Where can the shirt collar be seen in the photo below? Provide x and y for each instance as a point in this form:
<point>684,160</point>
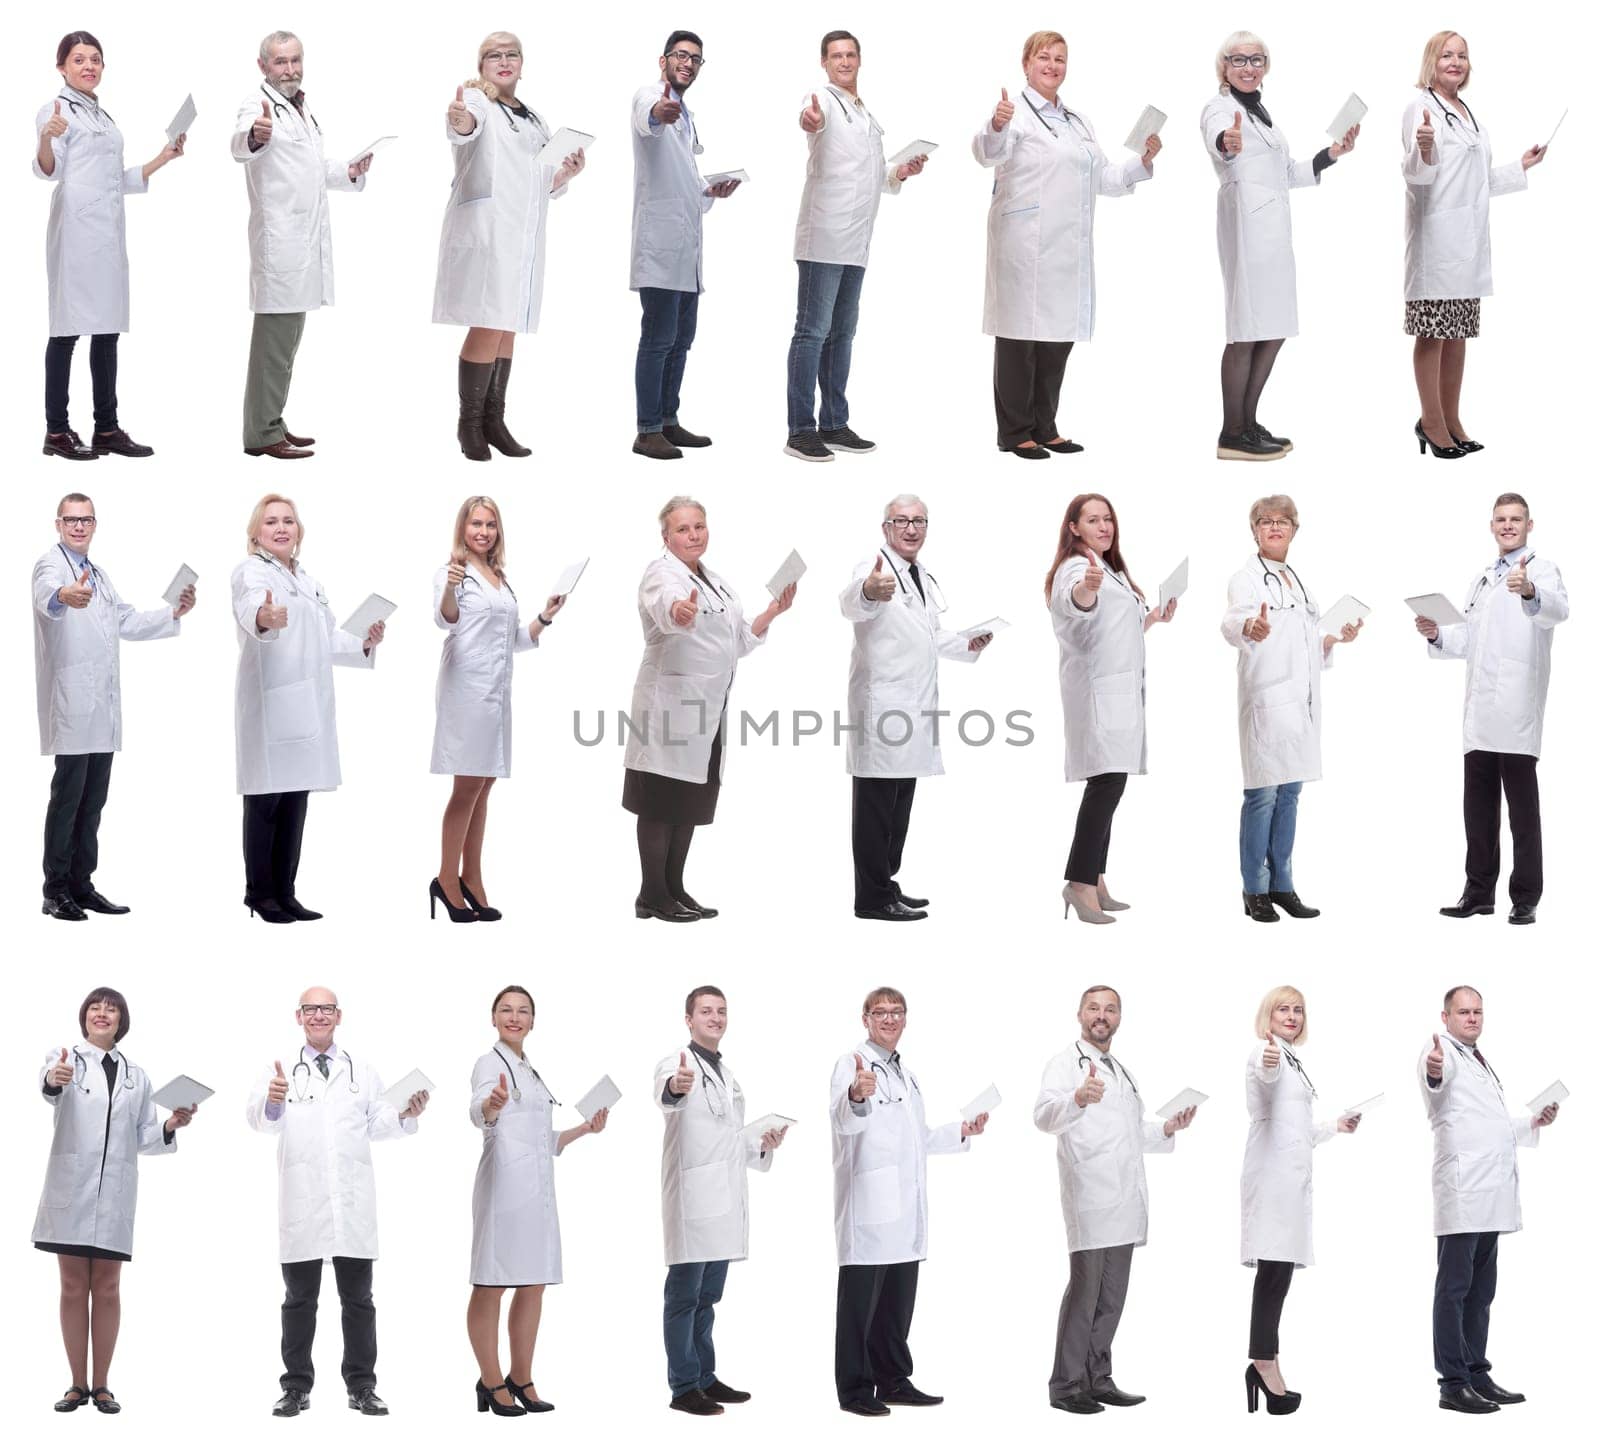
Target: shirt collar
<point>888,1057</point>
<point>72,552</point>
<point>714,1056</point>
<point>847,98</point>
<point>1056,107</point>
<point>309,1052</point>
<point>91,1051</point>
<point>1508,560</point>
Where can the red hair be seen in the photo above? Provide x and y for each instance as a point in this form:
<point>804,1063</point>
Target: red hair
<point>1070,543</point>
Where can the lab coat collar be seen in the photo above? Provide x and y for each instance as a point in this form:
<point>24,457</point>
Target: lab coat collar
<point>714,1056</point>
<point>335,1055</point>
<point>1091,1049</point>
<point>94,1053</point>
<point>80,559</point>
<point>81,98</point>
<point>846,97</point>
<point>1056,107</point>
<point>704,575</point>
<point>1509,559</point>
<point>888,1057</point>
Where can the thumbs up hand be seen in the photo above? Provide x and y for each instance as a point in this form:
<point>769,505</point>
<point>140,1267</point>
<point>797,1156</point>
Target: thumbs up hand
<point>459,118</point>
<point>1233,137</point>
<point>1425,137</point>
<point>1517,579</point>
<point>683,1081</point>
<point>1435,1061</point>
<point>456,570</point>
<point>1271,1055</point>
<point>1091,1091</point>
<point>1096,574</point>
<point>686,610</point>
<point>495,1101</point>
<point>278,1086</point>
<point>61,1071</point>
<point>56,125</point>
<point>261,129</point>
<point>865,1085</point>
<point>880,585</point>
<point>667,110</point>
<point>1258,628</point>
<point>811,117</point>
<point>270,615</point>
<point>77,595</point>
<point>1004,111</point>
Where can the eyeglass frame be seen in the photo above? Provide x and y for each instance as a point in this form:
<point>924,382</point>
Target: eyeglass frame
<point>901,525</point>
<point>1247,62</point>
<point>684,57</point>
<point>318,1009</point>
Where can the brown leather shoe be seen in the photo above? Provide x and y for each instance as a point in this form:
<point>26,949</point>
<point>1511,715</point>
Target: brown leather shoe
<point>68,445</point>
<point>285,451</point>
<point>294,441</point>
<point>655,444</point>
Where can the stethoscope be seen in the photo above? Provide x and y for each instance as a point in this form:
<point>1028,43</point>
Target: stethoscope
<point>1074,122</point>
<point>878,1067</point>
<point>76,102</point>
<point>533,115</point>
<point>1475,1056</point>
<point>516,1090</point>
<point>1110,1060</point>
<point>1450,114</point>
<point>283,107</point>
<point>94,572</point>
<point>505,584</point>
<point>1272,580</point>
<point>301,1087</point>
<point>711,599</point>
<point>849,119</point>
<point>930,583</point>
<point>695,148</point>
<point>1299,1069</point>
<point>80,1071</point>
<point>289,577</point>
<point>716,1092</point>
<point>1485,580</point>
<point>1261,122</point>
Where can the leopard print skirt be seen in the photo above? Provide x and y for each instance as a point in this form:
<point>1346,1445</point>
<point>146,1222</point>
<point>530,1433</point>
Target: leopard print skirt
<point>1443,320</point>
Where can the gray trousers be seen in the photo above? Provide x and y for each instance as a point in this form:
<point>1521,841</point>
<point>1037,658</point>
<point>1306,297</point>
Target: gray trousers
<point>273,342</point>
<point>1090,1310</point>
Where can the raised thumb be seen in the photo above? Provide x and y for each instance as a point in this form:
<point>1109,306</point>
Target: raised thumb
<point>1092,1071</point>
<point>859,1066</point>
<point>683,1059</point>
<point>877,564</point>
<point>58,107</point>
<point>814,105</point>
<point>1003,96</point>
<point>63,1055</point>
<point>694,595</point>
<point>266,110</point>
<point>1435,1042</point>
<point>1238,120</point>
<point>84,576</point>
<point>1263,612</point>
<point>461,94</point>
<point>666,90</point>
<point>502,1081</point>
<point>277,1067</point>
<point>269,597</point>
<point>1427,119</point>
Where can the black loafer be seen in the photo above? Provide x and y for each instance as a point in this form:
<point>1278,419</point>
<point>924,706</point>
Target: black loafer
<point>62,906</point>
<point>1028,454</point>
<point>909,900</point>
<point>1292,905</point>
<point>696,1404</point>
<point>1259,908</point>
<point>1111,1395</point>
<point>292,1404</point>
<point>673,913</point>
<point>703,910</point>
<point>867,1408</point>
<point>97,903</point>
<point>120,443</point>
<point>683,437</point>
<point>906,1395</point>
<point>1523,914</point>
<point>1083,1404</point>
<point>722,1392</point>
<point>1066,445</point>
<point>1465,908</point>
<point>366,1401</point>
<point>1491,1392</point>
<point>1464,1399</point>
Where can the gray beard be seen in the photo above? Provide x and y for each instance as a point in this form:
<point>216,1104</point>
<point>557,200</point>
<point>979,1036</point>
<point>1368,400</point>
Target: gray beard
<point>288,89</point>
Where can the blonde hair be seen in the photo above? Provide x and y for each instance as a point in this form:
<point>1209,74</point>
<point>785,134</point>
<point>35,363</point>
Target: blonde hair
<point>1430,58</point>
<point>259,513</point>
<point>1270,1002</point>
<point>488,43</point>
<point>1278,502</point>
<point>1231,45</point>
<point>1037,42</point>
<point>497,554</point>
<point>671,506</point>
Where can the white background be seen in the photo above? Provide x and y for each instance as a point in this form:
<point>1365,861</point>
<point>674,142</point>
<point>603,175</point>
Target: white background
<point>994,979</point>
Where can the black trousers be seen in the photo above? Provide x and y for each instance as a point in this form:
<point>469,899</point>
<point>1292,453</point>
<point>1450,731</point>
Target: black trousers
<point>1266,1307</point>
<point>1091,841</point>
<point>78,791</point>
<point>58,380</point>
<point>302,1282</point>
<point>1027,388</point>
<point>870,1352</point>
<point>273,827</point>
<point>1463,1292</point>
<point>1487,774</point>
<point>880,815</point>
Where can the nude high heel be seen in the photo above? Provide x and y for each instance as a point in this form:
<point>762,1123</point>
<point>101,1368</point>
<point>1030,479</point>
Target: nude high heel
<point>1088,916</point>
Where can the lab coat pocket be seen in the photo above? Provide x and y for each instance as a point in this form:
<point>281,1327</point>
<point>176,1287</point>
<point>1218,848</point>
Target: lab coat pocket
<point>1513,687</point>
<point>877,1196</point>
<point>73,692</point>
<point>1478,1171</point>
<point>1449,233</point>
<point>1021,210</point>
<point>1280,711</point>
<point>1115,702</point>
<point>292,714</point>
<point>1099,1182</point>
<point>705,1192</point>
<point>663,229</point>
<point>59,1179</point>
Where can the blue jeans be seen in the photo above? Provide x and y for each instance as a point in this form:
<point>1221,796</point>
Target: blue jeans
<point>824,329</point>
<point>666,332</point>
<point>692,1293</point>
<point>1266,838</point>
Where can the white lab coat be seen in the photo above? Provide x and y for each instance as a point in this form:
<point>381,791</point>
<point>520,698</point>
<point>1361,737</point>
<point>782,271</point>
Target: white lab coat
<point>1275,1186</point>
<point>846,176</point>
<point>1447,203</point>
<point>491,247</point>
<point>669,200</point>
<point>77,663</point>
<point>1475,1140</point>
<point>1507,650</point>
<point>1102,673</point>
<point>680,697</point>
<point>516,1236</point>
<point>472,701</point>
<point>327,1200</point>
<point>705,1196</point>
<point>894,673</point>
<point>85,240</point>
<point>1254,238</point>
<point>285,734</point>
<point>287,180</point>
<point>91,1185</point>
<point>1100,1150</point>
<point>1280,678</point>
<point>880,1163</point>
<point>1039,280</point>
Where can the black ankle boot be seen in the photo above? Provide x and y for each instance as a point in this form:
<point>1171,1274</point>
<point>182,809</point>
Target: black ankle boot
<point>472,382</point>
<point>494,412</point>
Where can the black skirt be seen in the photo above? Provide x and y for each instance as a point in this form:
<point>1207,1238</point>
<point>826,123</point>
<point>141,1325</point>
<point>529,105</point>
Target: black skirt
<point>675,801</point>
<point>93,1253</point>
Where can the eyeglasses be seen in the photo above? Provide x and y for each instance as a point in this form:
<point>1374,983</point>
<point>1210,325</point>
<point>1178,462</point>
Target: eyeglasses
<point>319,1009</point>
<point>502,55</point>
<point>901,525</point>
<point>886,1016</point>
<point>1279,523</point>
<point>684,57</point>
<point>1252,62</point>
<point>77,522</point>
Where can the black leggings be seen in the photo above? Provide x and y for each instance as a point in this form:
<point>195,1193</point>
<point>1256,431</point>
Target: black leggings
<point>1091,842</point>
<point>663,851</point>
<point>1266,1306</point>
<point>58,375</point>
<point>1245,369</point>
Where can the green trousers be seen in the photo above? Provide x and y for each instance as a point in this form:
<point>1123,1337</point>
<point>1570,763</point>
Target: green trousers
<point>273,344</point>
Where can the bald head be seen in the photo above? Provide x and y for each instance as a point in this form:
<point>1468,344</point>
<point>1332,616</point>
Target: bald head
<point>318,1014</point>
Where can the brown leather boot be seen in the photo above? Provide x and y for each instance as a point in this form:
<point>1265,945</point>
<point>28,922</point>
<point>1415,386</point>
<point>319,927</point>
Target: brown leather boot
<point>472,382</point>
<point>494,413</point>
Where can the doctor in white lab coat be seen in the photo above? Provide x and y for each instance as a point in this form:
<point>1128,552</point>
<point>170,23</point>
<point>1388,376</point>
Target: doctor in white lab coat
<point>1272,622</point>
<point>1450,177</point>
<point>1038,295</point>
<point>287,176</point>
<point>665,262</point>
<point>105,1119</point>
<point>1100,617</point>
<point>846,176</point>
<point>1512,610</point>
<point>1275,1185</point>
<point>516,1236</point>
<point>695,633</point>
<point>705,1197</point>
<point>1256,170</point>
<point>286,741</point>
<point>1090,1102</point>
<point>79,622</point>
<point>881,1145</point>
<point>1475,1142</point>
<point>897,608</point>
<point>85,244</point>
<point>474,604</point>
<point>325,1108</point>
<point>491,248</point>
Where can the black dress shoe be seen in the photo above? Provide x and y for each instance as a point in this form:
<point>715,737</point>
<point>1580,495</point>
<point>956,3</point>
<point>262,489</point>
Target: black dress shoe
<point>1034,453</point>
<point>70,446</point>
<point>1259,908</point>
<point>1464,1399</point>
<point>1292,905</point>
<point>366,1401</point>
<point>1490,1392</point>
<point>687,901</point>
<point>72,1399</point>
<point>1111,1395</point>
<point>292,906</point>
<point>910,901</point>
<point>485,912</point>
<point>906,1395</point>
<point>894,912</point>
<point>1081,1403</point>
<point>1465,908</point>
<point>696,1404</point>
<point>488,1402</point>
<point>672,912</point>
<point>104,1401</point>
<point>1523,914</point>
<point>683,437</point>
<point>1246,447</point>
<point>722,1392</point>
<point>1065,445</point>
<point>119,442</point>
<point>97,903</point>
<point>1256,430</point>
<point>868,1407</point>
<point>519,1392</point>
<point>61,906</point>
<point>292,1404</point>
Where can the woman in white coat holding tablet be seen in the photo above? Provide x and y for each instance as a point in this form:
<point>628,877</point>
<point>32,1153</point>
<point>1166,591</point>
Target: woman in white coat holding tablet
<point>473,602</point>
<point>1450,178</point>
<point>1100,618</point>
<point>516,1237</point>
<point>1256,170</point>
<point>86,250</point>
<point>1038,296</point>
<point>1275,1185</point>
<point>105,1119</point>
<point>491,249</point>
<point>1272,620</point>
<point>695,633</point>
<point>286,739</point>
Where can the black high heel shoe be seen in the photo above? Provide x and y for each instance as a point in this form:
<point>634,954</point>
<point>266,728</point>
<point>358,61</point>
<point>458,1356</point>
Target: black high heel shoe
<point>487,913</point>
<point>292,906</point>
<point>437,896</point>
<point>487,1402</point>
<point>1424,442</point>
<point>1466,444</point>
<point>674,913</point>
<point>1278,1405</point>
<point>529,1404</point>
<point>269,910</point>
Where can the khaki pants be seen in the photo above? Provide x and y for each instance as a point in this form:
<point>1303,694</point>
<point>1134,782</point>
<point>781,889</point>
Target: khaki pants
<point>273,344</point>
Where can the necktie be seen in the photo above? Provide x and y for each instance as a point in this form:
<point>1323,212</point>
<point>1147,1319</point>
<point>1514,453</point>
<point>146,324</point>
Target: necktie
<point>916,577</point>
<point>322,1065</point>
<point>1109,1064</point>
<point>1478,1056</point>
